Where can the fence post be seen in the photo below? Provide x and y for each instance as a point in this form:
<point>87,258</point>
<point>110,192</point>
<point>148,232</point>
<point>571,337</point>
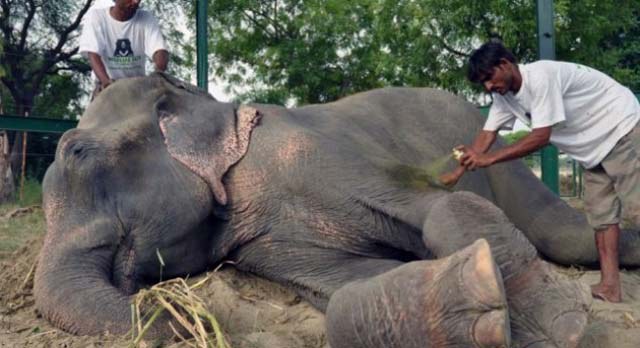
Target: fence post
<point>201,42</point>
<point>547,50</point>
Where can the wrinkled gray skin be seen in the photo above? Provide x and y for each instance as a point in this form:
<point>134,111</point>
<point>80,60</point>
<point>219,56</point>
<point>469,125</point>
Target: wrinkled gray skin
<point>329,200</point>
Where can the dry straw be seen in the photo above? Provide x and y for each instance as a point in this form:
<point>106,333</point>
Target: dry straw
<point>187,309</point>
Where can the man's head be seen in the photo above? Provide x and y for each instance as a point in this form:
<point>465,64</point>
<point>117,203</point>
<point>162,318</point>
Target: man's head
<point>127,7</point>
<point>495,67</point>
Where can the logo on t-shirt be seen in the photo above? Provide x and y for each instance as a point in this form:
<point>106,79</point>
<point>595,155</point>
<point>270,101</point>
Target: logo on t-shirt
<point>123,57</point>
<point>123,48</point>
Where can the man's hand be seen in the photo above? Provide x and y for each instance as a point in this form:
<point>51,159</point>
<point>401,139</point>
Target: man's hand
<point>104,84</point>
<point>101,87</point>
<point>471,159</point>
<point>160,60</point>
<point>451,178</point>
<point>477,157</point>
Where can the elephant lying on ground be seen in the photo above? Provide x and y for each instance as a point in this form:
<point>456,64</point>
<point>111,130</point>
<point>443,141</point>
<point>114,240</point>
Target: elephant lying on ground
<point>330,200</point>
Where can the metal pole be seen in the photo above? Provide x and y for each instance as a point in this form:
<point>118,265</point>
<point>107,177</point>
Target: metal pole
<point>580,193</point>
<point>201,43</point>
<point>547,50</point>
<point>574,178</point>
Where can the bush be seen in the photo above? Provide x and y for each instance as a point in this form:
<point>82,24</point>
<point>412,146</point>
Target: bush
<point>513,137</point>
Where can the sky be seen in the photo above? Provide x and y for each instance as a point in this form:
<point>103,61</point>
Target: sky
<point>215,87</point>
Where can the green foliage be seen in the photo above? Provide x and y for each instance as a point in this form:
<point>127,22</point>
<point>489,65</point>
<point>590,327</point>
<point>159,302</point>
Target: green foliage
<point>181,62</point>
<point>312,51</point>
<point>320,50</point>
<point>531,160</point>
<point>31,194</point>
<point>39,48</point>
<point>513,137</point>
<point>59,96</point>
<point>43,74</point>
<point>601,34</point>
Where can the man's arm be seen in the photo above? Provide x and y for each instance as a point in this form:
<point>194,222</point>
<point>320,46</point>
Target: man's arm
<point>481,144</point>
<point>161,60</point>
<point>483,141</point>
<point>98,68</point>
<point>538,138</point>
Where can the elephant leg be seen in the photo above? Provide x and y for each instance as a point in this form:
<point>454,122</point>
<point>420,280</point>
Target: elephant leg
<point>457,301</point>
<point>546,308</point>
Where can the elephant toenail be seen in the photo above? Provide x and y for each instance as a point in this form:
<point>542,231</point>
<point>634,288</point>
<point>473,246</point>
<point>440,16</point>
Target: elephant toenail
<point>568,328</point>
<point>492,329</point>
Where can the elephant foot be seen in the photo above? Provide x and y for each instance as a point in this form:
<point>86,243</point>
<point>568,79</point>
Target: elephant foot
<point>547,309</point>
<point>458,301</point>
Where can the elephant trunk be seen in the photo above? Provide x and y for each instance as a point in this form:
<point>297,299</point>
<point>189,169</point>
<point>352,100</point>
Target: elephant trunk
<point>558,231</point>
<point>73,288</point>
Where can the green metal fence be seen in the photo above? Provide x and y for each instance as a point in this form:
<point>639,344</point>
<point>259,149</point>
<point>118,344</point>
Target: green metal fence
<point>36,124</point>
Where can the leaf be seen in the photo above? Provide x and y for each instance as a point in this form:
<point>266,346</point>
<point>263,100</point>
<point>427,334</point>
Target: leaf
<point>317,51</point>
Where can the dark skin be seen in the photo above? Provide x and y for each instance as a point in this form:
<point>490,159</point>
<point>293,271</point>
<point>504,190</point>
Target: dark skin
<point>124,10</point>
<point>608,289</point>
<point>506,78</point>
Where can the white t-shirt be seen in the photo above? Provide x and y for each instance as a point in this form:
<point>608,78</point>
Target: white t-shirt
<point>121,45</point>
<point>587,110</point>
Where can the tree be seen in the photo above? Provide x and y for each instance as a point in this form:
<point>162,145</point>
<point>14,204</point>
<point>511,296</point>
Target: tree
<point>319,50</point>
<point>38,41</point>
<point>1,50</point>
<point>172,18</point>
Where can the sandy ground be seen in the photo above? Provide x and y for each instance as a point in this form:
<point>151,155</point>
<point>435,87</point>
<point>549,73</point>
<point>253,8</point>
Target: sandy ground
<point>255,313</point>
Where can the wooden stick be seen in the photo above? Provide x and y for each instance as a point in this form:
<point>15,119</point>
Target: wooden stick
<point>24,161</point>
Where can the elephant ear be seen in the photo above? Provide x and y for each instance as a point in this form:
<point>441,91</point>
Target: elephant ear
<point>206,136</point>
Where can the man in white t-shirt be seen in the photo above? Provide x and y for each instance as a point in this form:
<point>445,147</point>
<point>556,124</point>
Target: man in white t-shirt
<point>117,41</point>
<point>582,111</point>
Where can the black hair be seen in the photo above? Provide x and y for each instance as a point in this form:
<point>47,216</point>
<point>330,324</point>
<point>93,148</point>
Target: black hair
<point>485,58</point>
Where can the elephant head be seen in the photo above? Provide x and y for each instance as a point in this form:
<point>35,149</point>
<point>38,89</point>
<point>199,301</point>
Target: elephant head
<point>139,177</point>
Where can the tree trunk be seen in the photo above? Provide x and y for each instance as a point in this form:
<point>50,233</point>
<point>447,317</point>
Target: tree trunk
<point>16,150</point>
<point>7,186</point>
<point>15,153</point>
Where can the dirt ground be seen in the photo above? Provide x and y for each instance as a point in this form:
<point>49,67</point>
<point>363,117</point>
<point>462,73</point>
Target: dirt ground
<point>255,313</point>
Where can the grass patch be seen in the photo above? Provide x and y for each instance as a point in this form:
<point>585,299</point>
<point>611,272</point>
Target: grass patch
<point>178,299</point>
<point>22,220</point>
<point>18,230</point>
<point>31,193</point>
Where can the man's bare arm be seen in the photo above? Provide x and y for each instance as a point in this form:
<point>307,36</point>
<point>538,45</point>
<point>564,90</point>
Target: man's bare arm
<point>535,140</point>
<point>481,144</point>
<point>98,68</point>
<point>161,60</point>
<point>483,141</point>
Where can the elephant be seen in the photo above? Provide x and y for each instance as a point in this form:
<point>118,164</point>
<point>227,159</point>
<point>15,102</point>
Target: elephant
<point>331,200</point>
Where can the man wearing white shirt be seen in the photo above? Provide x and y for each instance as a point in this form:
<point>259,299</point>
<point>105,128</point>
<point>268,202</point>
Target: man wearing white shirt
<point>583,112</point>
<point>117,41</point>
